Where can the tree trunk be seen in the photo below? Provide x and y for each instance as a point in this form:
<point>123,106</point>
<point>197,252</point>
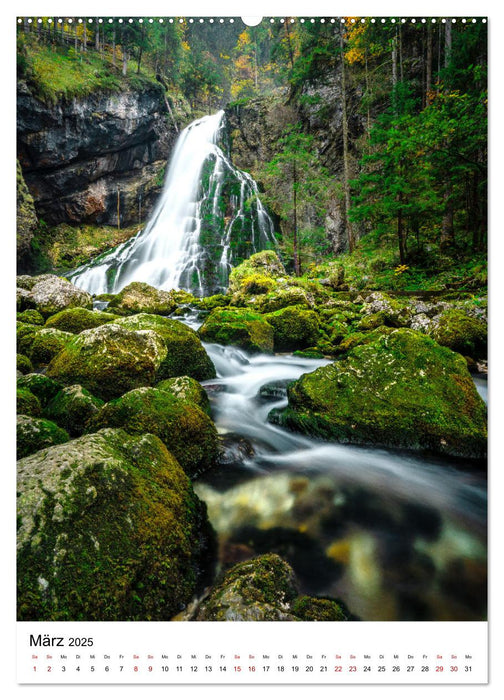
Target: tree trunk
<point>428,78</point>
<point>113,48</point>
<point>97,37</point>
<point>124,61</point>
<point>394,73</point>
<point>346,157</point>
<point>400,234</point>
<point>448,42</point>
<point>447,227</point>
<point>84,38</point>
<point>295,250</point>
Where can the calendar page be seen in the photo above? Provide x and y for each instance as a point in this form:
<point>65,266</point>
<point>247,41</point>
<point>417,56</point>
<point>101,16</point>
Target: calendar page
<point>252,348</point>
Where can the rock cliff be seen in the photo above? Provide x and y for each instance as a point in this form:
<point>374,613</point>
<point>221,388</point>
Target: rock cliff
<point>88,158</point>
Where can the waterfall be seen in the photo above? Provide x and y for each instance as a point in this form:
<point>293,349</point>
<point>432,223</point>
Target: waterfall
<point>208,218</point>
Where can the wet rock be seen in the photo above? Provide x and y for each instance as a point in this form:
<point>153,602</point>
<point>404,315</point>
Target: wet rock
<point>71,408</point>
<point>34,434</point>
<point>109,528</point>
<point>76,320</point>
<point>231,326</point>
<point>51,294</point>
<point>140,297</point>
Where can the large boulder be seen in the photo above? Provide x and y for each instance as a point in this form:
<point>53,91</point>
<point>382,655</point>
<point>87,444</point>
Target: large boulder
<point>140,297</point>
<point>33,434</point>
<point>186,389</point>
<point>401,390</point>
<point>72,407</point>
<point>51,294</point>
<point>184,428</point>
<point>47,343</point>
<point>109,528</point>
<point>185,355</point>
<point>257,274</point>
<point>294,328</point>
<point>109,360</point>
<point>460,332</point>
<point>44,388</point>
<point>263,589</point>
<point>76,320</point>
<point>231,326</point>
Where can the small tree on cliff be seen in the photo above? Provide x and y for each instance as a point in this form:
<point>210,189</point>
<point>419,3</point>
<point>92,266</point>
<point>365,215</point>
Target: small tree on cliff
<point>297,188</point>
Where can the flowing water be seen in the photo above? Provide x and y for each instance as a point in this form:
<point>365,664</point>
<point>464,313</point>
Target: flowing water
<point>395,535</point>
<point>208,217</point>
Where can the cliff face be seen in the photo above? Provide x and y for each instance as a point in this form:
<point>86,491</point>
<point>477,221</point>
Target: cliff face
<point>79,157</point>
<point>255,127</point>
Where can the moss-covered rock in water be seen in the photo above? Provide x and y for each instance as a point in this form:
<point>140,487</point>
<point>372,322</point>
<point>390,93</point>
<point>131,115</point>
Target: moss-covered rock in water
<point>186,389</point>
<point>264,589</point>
<point>294,328</point>
<point>209,303</point>
<point>402,390</point>
<point>183,427</point>
<point>259,589</point>
<point>456,330</point>
<point>72,407</point>
<point>27,403</point>
<point>246,329</point>
<point>265,265</point>
<point>41,386</point>
<point>109,528</point>
<point>31,316</point>
<point>319,609</point>
<point>139,297</point>
<point>185,355</point>
<point>47,343</point>
<point>23,364</point>
<point>109,360</point>
<point>33,434</point>
<point>76,320</point>
<point>51,294</point>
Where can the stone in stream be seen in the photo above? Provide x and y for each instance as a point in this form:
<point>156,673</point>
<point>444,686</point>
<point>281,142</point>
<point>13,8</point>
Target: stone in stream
<point>401,390</point>
<point>109,528</point>
<point>246,329</point>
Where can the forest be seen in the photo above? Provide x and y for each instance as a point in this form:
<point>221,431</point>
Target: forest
<point>252,319</point>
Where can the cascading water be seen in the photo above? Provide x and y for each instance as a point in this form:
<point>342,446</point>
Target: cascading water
<point>209,217</point>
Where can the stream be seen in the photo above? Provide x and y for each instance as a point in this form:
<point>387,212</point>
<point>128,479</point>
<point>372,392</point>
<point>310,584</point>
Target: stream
<point>396,535</point>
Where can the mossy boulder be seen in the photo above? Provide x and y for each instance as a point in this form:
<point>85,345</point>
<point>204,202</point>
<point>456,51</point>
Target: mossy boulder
<point>231,326</point>
<point>294,328</point>
<point>264,589</point>
<point>385,310</point>
<point>186,389</point>
<point>72,407</point>
<point>51,294</point>
<point>23,364</point>
<point>139,297</point>
<point>109,360</point>
<point>44,388</point>
<point>31,316</point>
<point>47,343</point>
<point>27,403</point>
<point>213,302</point>
<point>25,335</point>
<point>33,434</point>
<point>352,340</point>
<point>109,528</point>
<point>76,320</point>
<point>401,390</point>
<point>185,355</point>
<point>184,428</point>
<point>282,297</point>
<point>261,269</point>
<point>462,333</point>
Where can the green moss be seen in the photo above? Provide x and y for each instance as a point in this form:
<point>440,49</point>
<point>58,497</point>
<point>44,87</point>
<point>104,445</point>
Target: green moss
<point>265,263</point>
<point>213,302</point>
<point>283,297</point>
<point>461,333</point>
<point>47,344</point>
<point>401,390</point>
<point>185,354</point>
<point>231,326</point>
<point>139,297</point>
<point>109,360</point>
<point>109,528</point>
<point>30,316</point>
<point>186,389</point>
<point>23,364</point>
<point>294,328</point>
<point>33,434</point>
<point>320,609</point>
<point>76,320</point>
<point>25,335</point>
<point>27,403</point>
<point>184,428</point>
<point>71,408</point>
<point>41,386</point>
